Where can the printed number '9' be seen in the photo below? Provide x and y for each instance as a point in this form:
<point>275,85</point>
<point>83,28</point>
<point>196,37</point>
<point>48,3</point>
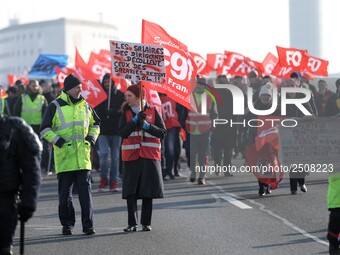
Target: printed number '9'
<point>181,67</point>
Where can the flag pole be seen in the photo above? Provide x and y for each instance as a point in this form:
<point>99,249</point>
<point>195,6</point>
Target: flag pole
<point>109,97</point>
<point>141,96</point>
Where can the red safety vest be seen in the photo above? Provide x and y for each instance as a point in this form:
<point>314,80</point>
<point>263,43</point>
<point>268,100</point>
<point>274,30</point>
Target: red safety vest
<point>197,123</point>
<point>134,147</point>
<point>169,112</point>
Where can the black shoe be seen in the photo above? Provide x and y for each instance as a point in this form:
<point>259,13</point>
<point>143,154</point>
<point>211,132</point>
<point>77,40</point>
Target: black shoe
<point>6,251</point>
<point>293,192</point>
<point>192,179</point>
<point>67,231</point>
<point>177,175</point>
<point>303,188</point>
<point>201,181</point>
<point>334,249</point>
<point>146,228</point>
<point>89,231</point>
<point>130,228</point>
<point>171,176</point>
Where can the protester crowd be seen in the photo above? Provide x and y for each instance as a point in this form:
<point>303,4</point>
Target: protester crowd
<point>133,138</point>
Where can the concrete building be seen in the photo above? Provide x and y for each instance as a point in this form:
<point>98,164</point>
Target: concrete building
<point>21,44</point>
<point>305,25</point>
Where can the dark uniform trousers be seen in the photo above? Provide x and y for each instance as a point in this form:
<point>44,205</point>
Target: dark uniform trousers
<point>82,181</point>
<point>9,219</point>
<point>334,227</point>
<point>133,214</point>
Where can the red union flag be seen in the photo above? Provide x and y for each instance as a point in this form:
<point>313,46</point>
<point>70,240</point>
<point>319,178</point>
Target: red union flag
<point>215,61</point>
<point>179,66</point>
<point>317,66</point>
<point>99,65</point>
<point>269,63</point>
<point>61,75</point>
<point>282,71</point>
<point>292,57</point>
<point>11,78</point>
<point>93,93</point>
<point>241,68</point>
<point>202,66</point>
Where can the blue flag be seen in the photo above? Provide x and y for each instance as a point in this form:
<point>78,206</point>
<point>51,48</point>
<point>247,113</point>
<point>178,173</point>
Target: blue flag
<point>44,65</point>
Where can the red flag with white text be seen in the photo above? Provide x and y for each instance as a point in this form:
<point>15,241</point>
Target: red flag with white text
<point>179,65</point>
<point>202,66</point>
<point>12,78</point>
<point>291,57</point>
<point>317,66</point>
<point>269,63</point>
<point>93,92</point>
<point>215,61</point>
<point>61,75</point>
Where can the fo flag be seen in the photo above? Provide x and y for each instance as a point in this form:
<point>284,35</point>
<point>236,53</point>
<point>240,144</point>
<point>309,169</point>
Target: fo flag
<point>180,68</point>
<point>291,57</point>
<point>92,91</point>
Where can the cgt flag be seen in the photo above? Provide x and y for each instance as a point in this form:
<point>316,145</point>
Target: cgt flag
<point>93,93</point>
<point>179,65</point>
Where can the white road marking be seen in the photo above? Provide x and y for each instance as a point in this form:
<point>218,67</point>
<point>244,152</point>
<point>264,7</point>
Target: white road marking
<point>263,208</point>
<point>236,202</point>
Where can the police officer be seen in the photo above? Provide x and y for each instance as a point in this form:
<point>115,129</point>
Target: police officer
<point>20,150</point>
<point>72,126</point>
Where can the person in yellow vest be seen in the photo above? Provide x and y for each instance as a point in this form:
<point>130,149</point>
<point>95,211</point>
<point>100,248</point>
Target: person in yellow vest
<point>72,126</point>
<point>4,108</point>
<point>333,203</point>
<point>198,125</point>
<point>31,106</point>
<point>141,155</point>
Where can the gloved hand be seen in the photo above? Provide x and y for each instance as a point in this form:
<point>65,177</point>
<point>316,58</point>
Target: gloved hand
<point>60,142</point>
<point>146,125</point>
<point>139,116</point>
<point>90,139</point>
<point>25,213</point>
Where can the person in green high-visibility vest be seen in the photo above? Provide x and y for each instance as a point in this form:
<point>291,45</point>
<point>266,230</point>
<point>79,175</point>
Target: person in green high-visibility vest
<point>31,106</point>
<point>333,204</point>
<point>72,126</point>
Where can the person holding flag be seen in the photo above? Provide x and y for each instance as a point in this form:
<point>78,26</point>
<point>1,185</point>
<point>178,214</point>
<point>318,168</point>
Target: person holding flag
<point>109,141</point>
<point>141,128</point>
<point>264,102</point>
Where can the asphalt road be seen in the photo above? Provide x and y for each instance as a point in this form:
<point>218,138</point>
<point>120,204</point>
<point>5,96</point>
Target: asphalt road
<point>226,216</point>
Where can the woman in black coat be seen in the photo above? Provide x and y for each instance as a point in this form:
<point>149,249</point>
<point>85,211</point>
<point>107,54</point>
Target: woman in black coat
<point>141,153</point>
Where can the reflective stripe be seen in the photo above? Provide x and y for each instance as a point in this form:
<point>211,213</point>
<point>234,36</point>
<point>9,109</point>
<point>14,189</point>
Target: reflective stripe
<point>138,133</point>
<point>64,125</point>
<point>130,147</point>
<point>94,126</point>
<point>204,122</point>
<point>153,145</point>
<point>74,137</point>
<point>55,139</point>
<point>43,132</point>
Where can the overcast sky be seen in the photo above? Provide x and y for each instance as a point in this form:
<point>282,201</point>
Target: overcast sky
<point>246,26</point>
